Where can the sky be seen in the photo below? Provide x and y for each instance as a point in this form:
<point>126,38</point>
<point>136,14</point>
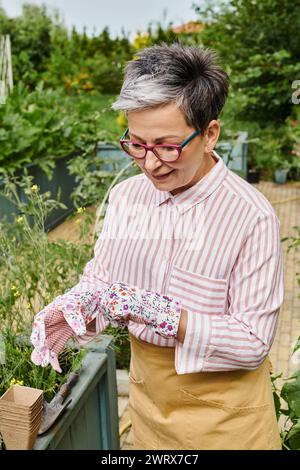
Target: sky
<point>133,15</point>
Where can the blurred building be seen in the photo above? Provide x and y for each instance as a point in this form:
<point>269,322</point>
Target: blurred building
<point>189,28</point>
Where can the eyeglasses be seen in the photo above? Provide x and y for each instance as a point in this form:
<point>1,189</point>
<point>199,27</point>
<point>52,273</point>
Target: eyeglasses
<point>166,153</point>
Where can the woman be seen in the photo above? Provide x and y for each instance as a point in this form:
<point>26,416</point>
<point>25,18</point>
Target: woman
<point>189,259</point>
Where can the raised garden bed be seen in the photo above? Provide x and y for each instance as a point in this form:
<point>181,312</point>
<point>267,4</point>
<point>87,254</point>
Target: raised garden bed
<point>91,421</point>
<point>60,179</point>
<point>114,160</point>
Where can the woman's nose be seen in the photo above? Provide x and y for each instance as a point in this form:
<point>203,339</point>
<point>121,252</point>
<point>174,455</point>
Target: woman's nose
<point>151,162</point>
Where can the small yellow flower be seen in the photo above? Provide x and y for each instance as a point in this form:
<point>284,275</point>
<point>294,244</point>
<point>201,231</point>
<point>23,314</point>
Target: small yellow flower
<point>20,220</point>
<point>34,188</point>
<point>78,221</point>
<point>80,210</point>
<point>13,287</point>
<point>88,86</point>
<point>17,294</point>
<point>28,305</point>
<point>16,382</point>
<point>83,75</point>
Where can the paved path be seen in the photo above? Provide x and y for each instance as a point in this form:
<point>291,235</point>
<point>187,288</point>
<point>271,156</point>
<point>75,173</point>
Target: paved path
<point>286,202</point>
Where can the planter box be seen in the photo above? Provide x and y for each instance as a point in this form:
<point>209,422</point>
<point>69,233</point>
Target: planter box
<point>113,157</point>
<point>91,421</point>
<point>60,179</point>
<point>235,156</point>
<point>7,209</point>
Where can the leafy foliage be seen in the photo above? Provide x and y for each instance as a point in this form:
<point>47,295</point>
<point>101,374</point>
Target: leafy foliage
<point>43,49</point>
<point>260,50</point>
<point>18,367</point>
<point>33,271</point>
<point>42,125</point>
<point>31,46</point>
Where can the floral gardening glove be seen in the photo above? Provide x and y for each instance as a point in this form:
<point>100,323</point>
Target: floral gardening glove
<point>49,336</point>
<point>122,302</point>
<point>63,318</point>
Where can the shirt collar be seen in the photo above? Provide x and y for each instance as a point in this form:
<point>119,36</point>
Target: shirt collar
<point>199,191</point>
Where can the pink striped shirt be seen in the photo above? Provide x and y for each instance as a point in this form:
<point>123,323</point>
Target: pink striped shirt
<point>215,246</point>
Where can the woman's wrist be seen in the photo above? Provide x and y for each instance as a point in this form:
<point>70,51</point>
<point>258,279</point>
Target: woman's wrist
<point>182,326</point>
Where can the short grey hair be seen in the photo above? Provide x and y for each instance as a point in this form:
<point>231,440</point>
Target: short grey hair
<point>186,75</point>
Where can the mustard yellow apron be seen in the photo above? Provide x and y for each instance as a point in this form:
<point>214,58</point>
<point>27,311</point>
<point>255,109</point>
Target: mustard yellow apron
<point>202,411</point>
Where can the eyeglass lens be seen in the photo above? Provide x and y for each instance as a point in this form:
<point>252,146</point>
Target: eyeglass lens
<point>137,151</point>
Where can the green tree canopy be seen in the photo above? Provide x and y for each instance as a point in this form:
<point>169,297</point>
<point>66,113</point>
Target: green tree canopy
<point>258,41</point>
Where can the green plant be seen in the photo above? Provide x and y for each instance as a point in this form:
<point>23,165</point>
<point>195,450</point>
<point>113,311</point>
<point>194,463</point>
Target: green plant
<point>43,49</point>
<point>33,271</point>
<point>30,35</point>
<point>278,160</point>
<point>287,404</point>
<point>18,367</point>
<point>265,59</point>
<point>269,149</point>
<point>42,125</point>
<point>92,183</point>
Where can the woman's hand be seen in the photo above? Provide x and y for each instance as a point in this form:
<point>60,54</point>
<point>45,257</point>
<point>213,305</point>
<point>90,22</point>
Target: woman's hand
<point>49,336</point>
<point>122,302</point>
<point>68,315</point>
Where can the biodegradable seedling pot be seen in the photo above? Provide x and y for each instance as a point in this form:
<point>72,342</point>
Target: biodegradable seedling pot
<point>14,408</point>
<point>18,440</point>
<point>20,416</point>
<point>15,415</point>
<point>23,398</point>
<point>19,427</point>
<point>6,419</point>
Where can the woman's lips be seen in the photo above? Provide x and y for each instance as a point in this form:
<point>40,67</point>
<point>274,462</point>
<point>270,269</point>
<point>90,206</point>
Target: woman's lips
<point>163,176</point>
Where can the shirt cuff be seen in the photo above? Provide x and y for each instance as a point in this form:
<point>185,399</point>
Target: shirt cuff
<point>191,354</point>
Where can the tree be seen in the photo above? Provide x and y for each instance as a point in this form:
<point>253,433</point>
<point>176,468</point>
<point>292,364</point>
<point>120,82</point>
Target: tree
<point>31,44</point>
<point>258,41</point>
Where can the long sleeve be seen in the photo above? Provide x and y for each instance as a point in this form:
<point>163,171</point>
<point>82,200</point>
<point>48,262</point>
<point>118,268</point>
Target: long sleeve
<point>241,336</point>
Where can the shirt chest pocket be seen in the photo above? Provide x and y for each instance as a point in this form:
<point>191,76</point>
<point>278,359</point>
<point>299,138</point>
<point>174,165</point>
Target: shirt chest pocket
<point>199,293</point>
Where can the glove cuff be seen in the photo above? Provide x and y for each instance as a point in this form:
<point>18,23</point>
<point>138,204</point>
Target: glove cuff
<point>167,320</point>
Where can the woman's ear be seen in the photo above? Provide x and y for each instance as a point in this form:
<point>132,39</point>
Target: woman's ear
<point>212,134</point>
